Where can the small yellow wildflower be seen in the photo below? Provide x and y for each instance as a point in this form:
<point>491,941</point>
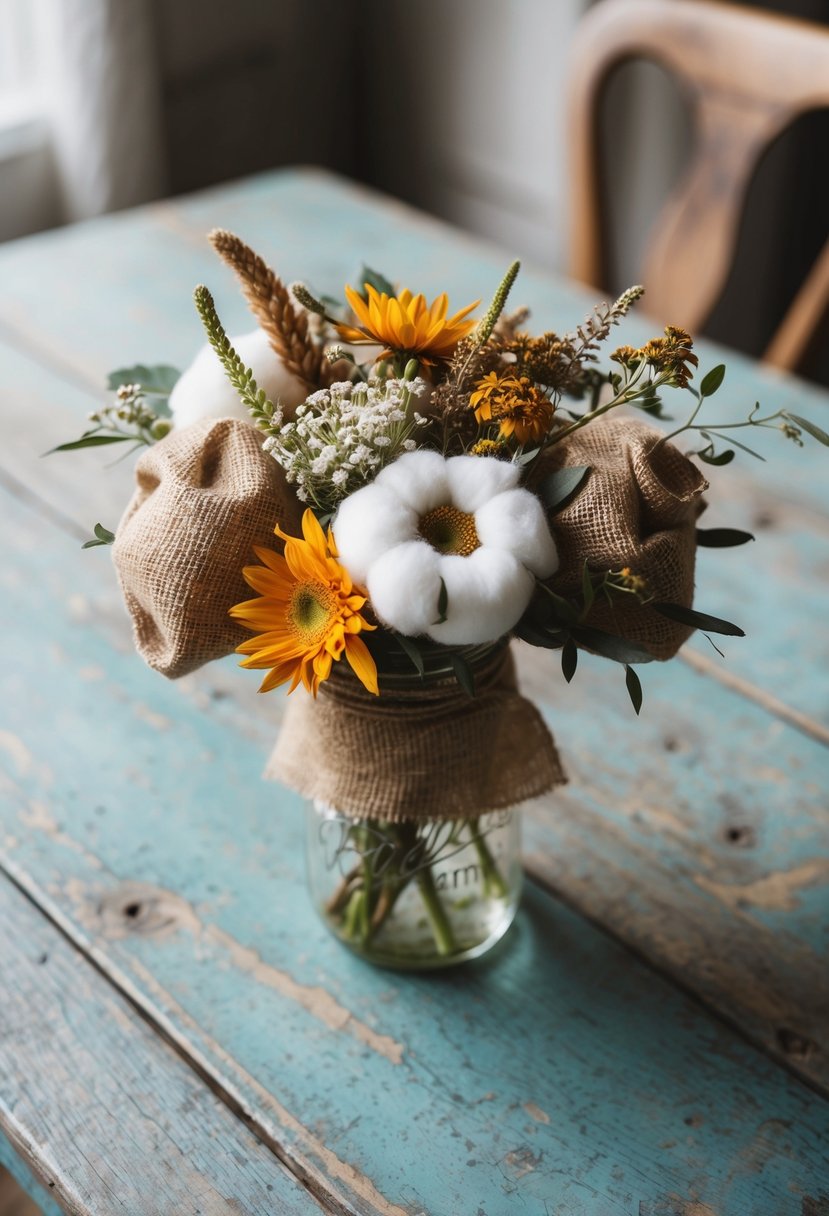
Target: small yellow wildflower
<point>519,406</point>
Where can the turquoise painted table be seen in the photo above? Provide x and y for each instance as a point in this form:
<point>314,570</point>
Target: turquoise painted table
<point>178,1033</point>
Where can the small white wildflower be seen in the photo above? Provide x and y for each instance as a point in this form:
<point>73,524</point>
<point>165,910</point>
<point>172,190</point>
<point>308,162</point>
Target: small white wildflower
<point>409,445</point>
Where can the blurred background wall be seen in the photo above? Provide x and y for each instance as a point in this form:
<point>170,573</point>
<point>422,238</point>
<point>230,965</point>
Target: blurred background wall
<point>454,105</point>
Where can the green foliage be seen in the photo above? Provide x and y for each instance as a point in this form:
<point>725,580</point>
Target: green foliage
<point>266,415</point>
<point>699,620</point>
<point>712,380</point>
<point>634,687</point>
<point>620,650</point>
<point>103,536</point>
<point>569,659</point>
<point>155,381</point>
<point>373,278</point>
<point>463,673</point>
<point>90,439</point>
<point>722,538</point>
<point>709,455</point>
<point>130,418</point>
<point>810,428</point>
<point>410,647</point>
<point>443,603</point>
<point>558,488</point>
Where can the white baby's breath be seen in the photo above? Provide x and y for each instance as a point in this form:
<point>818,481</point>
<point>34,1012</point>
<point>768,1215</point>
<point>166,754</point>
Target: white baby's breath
<point>344,435</point>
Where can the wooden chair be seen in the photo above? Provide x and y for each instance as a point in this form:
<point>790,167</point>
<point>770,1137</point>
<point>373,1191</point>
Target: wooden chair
<point>746,75</point>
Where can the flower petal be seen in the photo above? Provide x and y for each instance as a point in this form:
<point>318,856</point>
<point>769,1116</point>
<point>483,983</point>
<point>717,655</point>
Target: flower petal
<point>404,587</point>
<point>487,594</point>
<point>417,478</point>
<point>362,664</point>
<point>474,479</point>
<point>367,524</point>
<point>515,522</point>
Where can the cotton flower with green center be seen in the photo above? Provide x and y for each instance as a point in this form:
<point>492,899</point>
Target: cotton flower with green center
<point>427,523</point>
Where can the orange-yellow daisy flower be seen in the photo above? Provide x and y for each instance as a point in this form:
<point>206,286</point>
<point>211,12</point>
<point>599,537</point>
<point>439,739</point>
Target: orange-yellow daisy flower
<point>308,615</point>
<point>519,406</point>
<point>405,325</point>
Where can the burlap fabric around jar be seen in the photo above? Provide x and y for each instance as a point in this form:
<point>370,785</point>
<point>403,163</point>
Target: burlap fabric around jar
<point>419,751</point>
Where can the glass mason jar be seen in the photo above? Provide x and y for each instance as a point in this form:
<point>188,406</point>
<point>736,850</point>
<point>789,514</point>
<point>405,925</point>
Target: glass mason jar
<point>416,893</point>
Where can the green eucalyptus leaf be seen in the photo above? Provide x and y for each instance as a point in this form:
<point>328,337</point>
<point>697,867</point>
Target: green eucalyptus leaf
<point>722,538</point>
<point>620,650</point>
<point>634,687</point>
<point>463,673</point>
<point>699,620</point>
<point>549,639</point>
<point>160,378</point>
<point>376,280</point>
<point>91,441</point>
<point>561,611</point>
<point>559,487</point>
<point>103,536</point>
<point>569,659</point>
<point>810,429</point>
<point>411,649</point>
<point>443,603</point>
<point>712,380</point>
<point>710,457</point>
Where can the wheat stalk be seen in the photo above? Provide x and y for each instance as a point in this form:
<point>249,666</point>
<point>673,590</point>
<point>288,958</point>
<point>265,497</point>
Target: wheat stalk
<point>270,302</point>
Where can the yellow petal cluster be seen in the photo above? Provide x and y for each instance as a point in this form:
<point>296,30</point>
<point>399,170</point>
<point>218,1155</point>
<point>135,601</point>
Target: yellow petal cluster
<point>519,406</point>
<point>307,616</point>
<point>406,325</point>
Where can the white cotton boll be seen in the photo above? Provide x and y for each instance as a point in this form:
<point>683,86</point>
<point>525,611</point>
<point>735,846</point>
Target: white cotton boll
<point>204,391</point>
<point>487,594</point>
<point>368,523</point>
<point>515,522</point>
<point>474,479</point>
<point>404,587</point>
<point>419,479</point>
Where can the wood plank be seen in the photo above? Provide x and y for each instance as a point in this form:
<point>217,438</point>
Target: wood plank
<point>108,1117</point>
<point>559,1072</point>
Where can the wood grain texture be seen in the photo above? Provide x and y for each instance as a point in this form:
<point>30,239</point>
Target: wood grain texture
<point>148,793</point>
<point>746,76</point>
<point>108,1116</point>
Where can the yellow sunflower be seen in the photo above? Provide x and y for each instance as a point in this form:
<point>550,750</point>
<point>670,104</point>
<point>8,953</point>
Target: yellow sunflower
<point>520,407</point>
<point>308,614</point>
<point>406,325</point>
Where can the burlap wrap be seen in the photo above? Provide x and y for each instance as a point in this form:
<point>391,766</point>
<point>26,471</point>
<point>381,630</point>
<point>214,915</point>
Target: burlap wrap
<point>638,508</point>
<point>205,496</point>
<point>419,750</point>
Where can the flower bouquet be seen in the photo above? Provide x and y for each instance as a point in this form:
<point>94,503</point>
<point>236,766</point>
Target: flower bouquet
<point>371,498</point>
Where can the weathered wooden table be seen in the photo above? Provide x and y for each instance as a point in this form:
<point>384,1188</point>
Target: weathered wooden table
<point>179,1034</point>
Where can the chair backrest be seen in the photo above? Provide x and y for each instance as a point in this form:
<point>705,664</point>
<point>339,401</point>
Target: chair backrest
<point>746,76</point>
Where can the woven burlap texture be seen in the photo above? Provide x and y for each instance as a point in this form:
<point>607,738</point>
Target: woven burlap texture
<point>637,508</point>
<point>425,751</point>
<point>205,496</point>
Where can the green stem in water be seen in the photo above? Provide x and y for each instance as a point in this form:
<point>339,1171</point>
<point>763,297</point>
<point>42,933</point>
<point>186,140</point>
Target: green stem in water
<point>494,883</point>
<point>439,921</point>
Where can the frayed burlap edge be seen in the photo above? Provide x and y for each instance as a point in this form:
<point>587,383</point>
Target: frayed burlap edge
<point>424,752</point>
